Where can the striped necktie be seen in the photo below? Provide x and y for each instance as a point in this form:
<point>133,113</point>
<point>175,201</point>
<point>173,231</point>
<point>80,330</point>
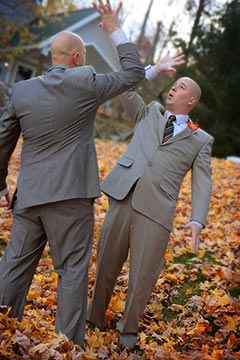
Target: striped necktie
<point>168,133</point>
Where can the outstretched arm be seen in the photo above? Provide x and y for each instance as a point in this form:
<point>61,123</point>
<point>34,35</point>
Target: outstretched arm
<point>132,70</point>
<point>132,102</point>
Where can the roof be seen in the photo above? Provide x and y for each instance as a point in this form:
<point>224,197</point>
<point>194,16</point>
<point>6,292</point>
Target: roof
<point>42,29</point>
<point>59,22</point>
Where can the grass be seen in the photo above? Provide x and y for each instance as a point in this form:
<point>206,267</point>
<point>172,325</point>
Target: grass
<point>188,288</point>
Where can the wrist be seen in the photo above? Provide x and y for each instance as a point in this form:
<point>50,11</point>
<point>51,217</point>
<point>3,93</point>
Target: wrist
<point>197,223</point>
<point>118,36</point>
<point>150,72</point>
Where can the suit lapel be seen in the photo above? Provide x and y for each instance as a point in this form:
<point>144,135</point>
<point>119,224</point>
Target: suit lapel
<point>162,124</point>
<point>181,135</point>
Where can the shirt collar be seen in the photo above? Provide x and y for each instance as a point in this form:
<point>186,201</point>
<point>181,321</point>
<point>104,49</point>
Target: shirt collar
<point>180,119</point>
<point>61,66</point>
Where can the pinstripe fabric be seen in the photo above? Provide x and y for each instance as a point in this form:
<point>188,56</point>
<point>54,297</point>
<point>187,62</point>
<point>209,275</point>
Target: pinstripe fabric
<point>55,113</point>
<point>68,226</point>
<point>57,181</point>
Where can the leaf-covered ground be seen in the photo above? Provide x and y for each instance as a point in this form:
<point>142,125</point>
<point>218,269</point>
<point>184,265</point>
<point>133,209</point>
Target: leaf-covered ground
<point>193,312</point>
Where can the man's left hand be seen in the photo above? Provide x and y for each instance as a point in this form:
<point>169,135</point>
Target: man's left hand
<point>5,201</point>
<point>195,231</point>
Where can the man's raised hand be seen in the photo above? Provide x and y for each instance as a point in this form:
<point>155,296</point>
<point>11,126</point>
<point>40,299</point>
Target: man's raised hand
<point>169,63</point>
<point>110,19</point>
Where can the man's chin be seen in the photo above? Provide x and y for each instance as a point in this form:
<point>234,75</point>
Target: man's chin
<point>169,104</point>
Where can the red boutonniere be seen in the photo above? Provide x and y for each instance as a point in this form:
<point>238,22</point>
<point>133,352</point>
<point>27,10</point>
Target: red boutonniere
<point>192,125</point>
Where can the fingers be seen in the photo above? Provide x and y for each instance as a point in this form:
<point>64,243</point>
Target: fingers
<point>110,20</point>
<point>178,56</point>
<point>194,231</point>
<point>170,62</point>
<point>174,57</point>
<point>119,7</point>
<point>187,226</point>
<point>105,9</point>
<point>195,242</point>
<point>4,204</point>
<point>178,59</point>
<point>5,201</point>
<point>101,9</point>
<point>108,5</point>
<point>95,6</point>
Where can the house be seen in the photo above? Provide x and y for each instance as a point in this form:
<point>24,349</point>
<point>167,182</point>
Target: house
<point>35,58</point>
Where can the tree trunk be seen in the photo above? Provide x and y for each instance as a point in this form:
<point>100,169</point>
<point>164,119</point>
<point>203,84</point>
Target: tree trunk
<point>199,12</point>
<point>167,39</point>
<point>150,55</point>
<point>144,24</point>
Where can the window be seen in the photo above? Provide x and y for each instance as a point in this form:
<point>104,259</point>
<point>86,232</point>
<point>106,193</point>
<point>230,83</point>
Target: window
<point>23,73</point>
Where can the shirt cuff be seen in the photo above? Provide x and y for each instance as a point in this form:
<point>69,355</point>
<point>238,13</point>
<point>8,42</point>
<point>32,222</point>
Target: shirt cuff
<point>150,72</point>
<point>3,192</point>
<point>197,223</point>
<point>118,37</point>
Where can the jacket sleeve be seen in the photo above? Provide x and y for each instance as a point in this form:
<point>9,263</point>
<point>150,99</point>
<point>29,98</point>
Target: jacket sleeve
<point>133,105</point>
<point>202,182</point>
<point>9,135</point>
<point>113,83</point>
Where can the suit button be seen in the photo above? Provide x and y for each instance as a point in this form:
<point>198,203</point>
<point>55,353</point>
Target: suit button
<point>149,163</point>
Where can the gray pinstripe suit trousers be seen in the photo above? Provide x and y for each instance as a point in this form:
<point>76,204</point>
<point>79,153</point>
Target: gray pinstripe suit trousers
<point>68,227</point>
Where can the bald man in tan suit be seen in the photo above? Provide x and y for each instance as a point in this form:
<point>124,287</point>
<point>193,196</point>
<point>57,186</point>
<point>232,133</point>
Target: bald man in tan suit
<point>143,189</point>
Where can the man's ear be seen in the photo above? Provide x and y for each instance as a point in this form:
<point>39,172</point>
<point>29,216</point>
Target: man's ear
<point>75,58</point>
<point>192,101</point>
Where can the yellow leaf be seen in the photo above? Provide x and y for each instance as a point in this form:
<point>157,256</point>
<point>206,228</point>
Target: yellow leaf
<point>117,304</point>
<point>172,278</point>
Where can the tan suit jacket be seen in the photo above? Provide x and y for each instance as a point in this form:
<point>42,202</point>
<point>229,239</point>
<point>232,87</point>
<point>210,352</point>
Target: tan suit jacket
<point>160,168</point>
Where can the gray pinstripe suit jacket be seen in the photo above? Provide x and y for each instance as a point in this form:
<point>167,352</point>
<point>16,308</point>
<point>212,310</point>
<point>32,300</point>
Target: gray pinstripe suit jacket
<point>55,114</point>
<point>160,167</point>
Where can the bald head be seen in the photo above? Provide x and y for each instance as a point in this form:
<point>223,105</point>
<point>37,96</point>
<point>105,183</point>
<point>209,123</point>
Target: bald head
<point>183,96</point>
<point>68,48</point>
<point>194,87</point>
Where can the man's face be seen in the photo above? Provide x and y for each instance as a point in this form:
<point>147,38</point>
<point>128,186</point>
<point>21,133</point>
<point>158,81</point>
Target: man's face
<point>179,96</point>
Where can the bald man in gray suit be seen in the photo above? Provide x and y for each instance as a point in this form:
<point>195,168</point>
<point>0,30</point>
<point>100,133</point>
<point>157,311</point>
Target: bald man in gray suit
<point>58,178</point>
<point>143,188</point>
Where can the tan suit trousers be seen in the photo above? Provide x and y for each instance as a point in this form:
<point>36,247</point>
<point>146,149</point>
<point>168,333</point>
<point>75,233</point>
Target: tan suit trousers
<point>125,229</point>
